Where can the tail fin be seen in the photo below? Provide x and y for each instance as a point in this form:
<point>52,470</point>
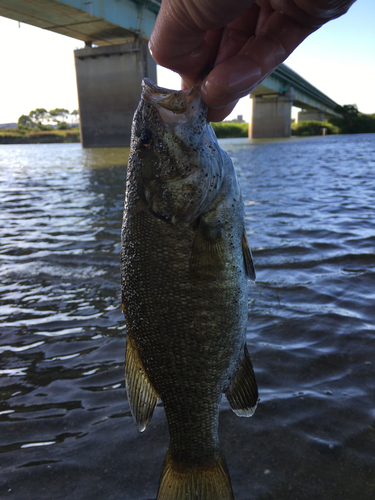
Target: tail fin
<point>209,482</point>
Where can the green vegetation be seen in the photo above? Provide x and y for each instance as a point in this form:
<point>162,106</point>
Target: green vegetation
<point>63,126</point>
<point>229,130</point>
<point>350,122</point>
<point>42,126</point>
<point>28,135</point>
<point>313,127</point>
<point>46,120</point>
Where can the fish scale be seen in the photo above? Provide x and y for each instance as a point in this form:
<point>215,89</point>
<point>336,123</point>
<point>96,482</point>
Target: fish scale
<point>178,340</point>
<point>184,275</point>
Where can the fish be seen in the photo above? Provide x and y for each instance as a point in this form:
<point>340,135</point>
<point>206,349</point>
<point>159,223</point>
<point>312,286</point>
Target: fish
<point>185,263</point>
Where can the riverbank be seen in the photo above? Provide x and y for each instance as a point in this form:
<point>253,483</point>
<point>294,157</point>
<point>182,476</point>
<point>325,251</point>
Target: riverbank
<point>17,136</point>
<point>23,136</point>
<point>223,130</point>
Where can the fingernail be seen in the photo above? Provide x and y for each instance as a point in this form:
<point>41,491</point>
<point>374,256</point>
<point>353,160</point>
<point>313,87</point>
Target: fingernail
<point>149,48</point>
<point>210,87</point>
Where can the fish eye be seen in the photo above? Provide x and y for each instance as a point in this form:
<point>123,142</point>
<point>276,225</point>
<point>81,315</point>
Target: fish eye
<point>145,138</point>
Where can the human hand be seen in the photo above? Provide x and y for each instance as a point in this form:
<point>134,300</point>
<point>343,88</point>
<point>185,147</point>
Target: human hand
<point>242,40</point>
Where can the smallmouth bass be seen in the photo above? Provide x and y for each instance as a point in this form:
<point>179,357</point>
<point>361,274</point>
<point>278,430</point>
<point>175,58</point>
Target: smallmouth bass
<point>185,261</point>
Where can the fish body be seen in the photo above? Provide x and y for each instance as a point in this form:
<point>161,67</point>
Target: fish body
<point>185,262</point>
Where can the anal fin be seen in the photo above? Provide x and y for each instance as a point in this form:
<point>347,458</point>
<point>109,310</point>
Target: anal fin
<point>141,393</point>
<point>242,394</point>
<point>247,258</point>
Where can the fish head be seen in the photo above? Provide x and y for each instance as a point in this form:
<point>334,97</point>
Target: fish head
<point>174,153</point>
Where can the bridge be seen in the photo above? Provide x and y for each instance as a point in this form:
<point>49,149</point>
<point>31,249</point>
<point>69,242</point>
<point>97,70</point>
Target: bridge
<point>273,98</point>
<point>109,74</point>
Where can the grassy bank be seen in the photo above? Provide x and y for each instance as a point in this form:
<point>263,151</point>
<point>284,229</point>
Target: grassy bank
<point>27,136</point>
<point>356,124</point>
<point>225,130</point>
<point>312,127</point>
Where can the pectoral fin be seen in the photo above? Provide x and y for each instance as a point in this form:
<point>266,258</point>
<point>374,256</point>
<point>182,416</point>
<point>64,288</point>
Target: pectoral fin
<point>208,250</point>
<point>247,258</point>
<point>242,394</point>
<point>141,394</point>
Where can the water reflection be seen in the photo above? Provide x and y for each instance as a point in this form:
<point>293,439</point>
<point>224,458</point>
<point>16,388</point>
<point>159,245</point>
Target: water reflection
<point>66,426</point>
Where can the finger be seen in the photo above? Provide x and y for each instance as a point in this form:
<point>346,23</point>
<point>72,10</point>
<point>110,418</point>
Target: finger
<point>176,43</point>
<point>189,79</point>
<point>239,75</point>
<point>214,115</point>
<point>217,115</point>
<point>236,34</point>
<point>312,12</point>
<point>178,39</point>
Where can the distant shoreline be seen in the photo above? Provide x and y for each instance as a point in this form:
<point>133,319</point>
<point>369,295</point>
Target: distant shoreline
<point>223,130</point>
<point>10,136</point>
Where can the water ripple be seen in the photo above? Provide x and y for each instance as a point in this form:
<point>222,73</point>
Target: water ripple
<point>63,410</point>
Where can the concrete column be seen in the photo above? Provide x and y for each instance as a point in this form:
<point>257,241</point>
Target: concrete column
<point>311,114</point>
<point>271,116</point>
<point>109,89</point>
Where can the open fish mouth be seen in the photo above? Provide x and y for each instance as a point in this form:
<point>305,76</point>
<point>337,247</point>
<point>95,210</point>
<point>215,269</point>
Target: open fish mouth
<point>172,102</point>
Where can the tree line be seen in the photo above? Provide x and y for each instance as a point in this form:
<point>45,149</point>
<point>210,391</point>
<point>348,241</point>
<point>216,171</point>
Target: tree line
<point>40,118</point>
<point>350,121</point>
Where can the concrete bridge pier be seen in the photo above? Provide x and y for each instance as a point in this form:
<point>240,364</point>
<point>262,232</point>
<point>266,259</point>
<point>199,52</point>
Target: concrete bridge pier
<point>311,114</point>
<point>109,88</point>
<point>271,116</point>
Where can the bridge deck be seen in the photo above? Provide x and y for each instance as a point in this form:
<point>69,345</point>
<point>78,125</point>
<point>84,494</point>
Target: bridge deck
<point>100,22</point>
<point>305,95</point>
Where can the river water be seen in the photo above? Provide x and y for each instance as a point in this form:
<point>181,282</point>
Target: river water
<point>65,427</point>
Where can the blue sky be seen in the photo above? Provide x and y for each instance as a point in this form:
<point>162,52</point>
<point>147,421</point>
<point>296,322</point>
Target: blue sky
<point>37,66</point>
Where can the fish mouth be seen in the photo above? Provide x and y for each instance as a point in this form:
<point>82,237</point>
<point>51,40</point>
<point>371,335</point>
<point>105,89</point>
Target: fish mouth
<point>170,103</point>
